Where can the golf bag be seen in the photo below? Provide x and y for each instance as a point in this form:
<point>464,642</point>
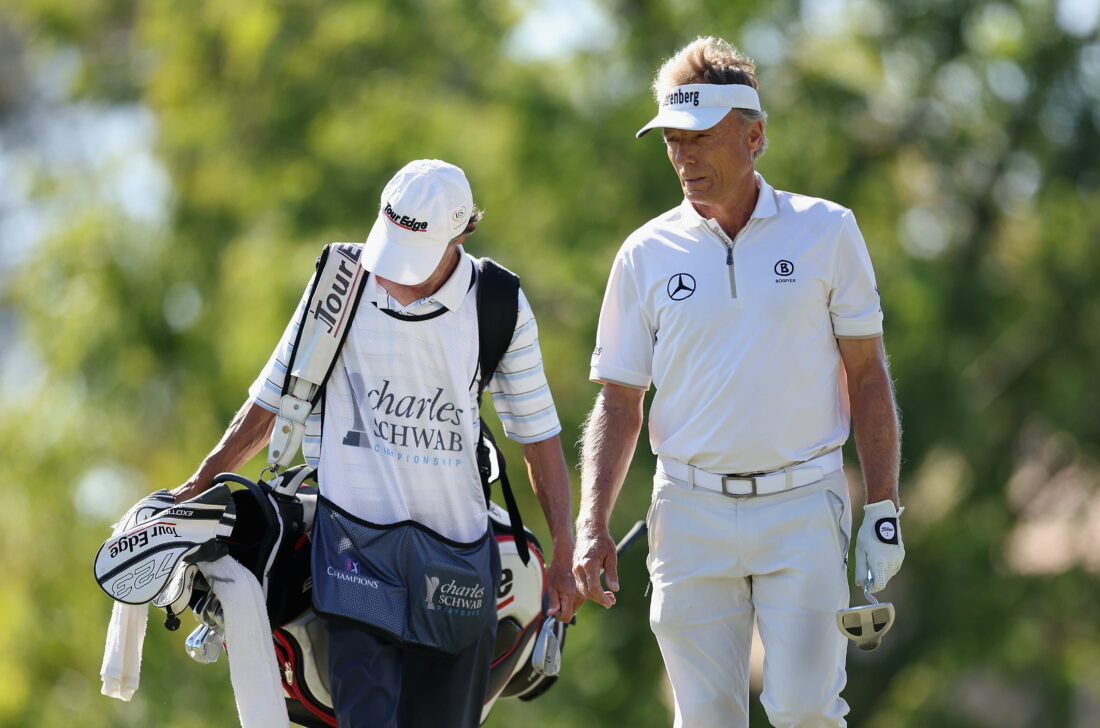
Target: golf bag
<point>271,538</point>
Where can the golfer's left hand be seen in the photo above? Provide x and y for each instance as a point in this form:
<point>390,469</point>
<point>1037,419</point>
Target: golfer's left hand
<point>595,559</point>
<point>879,548</point>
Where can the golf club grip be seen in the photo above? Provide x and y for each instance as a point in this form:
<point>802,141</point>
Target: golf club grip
<point>636,532</point>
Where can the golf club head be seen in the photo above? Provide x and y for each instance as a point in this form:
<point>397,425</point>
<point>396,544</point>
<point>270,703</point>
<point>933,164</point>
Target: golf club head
<point>866,625</point>
<point>204,644</point>
<point>546,655</point>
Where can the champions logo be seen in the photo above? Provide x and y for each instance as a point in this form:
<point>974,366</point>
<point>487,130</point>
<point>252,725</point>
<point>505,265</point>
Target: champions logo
<point>409,223</point>
<point>678,96</point>
<point>353,576</point>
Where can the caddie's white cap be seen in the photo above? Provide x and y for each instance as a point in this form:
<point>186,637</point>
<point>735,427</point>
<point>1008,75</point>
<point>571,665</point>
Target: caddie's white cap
<point>426,205</point>
<point>699,106</point>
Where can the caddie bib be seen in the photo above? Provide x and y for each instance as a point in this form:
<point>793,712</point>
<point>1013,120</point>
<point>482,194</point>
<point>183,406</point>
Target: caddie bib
<point>401,421</point>
<point>401,539</point>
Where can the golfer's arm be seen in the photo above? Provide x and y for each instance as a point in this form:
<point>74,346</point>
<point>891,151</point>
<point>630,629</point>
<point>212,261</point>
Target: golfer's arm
<point>874,416</point>
<point>610,436</point>
<point>247,434</point>
<point>550,480</point>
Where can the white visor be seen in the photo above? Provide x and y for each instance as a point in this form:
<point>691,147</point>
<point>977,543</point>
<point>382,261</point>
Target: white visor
<point>699,106</point>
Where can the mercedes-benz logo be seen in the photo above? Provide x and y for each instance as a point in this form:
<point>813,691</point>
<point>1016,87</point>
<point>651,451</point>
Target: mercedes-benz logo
<point>680,286</point>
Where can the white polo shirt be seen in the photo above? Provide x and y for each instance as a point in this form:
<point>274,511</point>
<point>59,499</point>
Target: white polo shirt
<point>739,336</point>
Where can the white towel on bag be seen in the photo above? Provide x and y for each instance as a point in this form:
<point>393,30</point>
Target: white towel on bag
<point>122,652</point>
<point>126,630</point>
<point>253,670</point>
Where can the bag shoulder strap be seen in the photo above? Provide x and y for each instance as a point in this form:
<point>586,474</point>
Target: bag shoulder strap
<point>497,310</point>
<point>324,324</point>
<point>321,313</point>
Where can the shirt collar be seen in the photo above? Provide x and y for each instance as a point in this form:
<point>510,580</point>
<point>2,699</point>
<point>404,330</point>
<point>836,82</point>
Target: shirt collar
<point>449,295</point>
<point>765,206</point>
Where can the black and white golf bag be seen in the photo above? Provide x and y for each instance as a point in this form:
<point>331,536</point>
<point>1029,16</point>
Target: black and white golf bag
<point>271,524</point>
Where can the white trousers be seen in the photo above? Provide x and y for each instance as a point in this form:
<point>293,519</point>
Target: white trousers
<point>716,563</point>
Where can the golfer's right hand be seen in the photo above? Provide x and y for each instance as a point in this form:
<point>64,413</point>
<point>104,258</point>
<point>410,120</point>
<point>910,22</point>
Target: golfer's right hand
<point>593,557</point>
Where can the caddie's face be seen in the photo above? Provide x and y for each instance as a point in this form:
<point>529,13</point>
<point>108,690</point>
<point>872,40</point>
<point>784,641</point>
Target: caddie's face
<point>716,166</point>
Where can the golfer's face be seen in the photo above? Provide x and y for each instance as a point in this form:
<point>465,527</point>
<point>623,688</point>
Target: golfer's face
<point>715,165</point>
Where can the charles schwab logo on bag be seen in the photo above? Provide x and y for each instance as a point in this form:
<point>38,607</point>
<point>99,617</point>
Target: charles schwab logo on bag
<point>431,583</point>
<point>460,598</point>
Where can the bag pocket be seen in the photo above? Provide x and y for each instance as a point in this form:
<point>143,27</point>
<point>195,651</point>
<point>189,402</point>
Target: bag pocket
<point>404,580</point>
<point>840,518</point>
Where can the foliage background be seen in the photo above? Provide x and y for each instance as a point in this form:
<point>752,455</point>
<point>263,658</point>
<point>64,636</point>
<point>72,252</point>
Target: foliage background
<point>169,170</point>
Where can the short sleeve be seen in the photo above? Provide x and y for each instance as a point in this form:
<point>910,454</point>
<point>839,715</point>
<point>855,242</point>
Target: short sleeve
<point>624,338</point>
<point>267,389</point>
<point>521,394</point>
<point>854,299</point>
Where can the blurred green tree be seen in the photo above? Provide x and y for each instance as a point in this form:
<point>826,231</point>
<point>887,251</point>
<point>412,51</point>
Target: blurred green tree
<point>963,135</point>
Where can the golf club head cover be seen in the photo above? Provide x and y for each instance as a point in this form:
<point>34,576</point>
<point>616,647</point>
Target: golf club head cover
<point>879,548</point>
<point>136,563</point>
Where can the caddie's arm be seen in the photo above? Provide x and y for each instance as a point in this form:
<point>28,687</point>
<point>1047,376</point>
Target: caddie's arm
<point>878,441</point>
<point>549,478</point>
<point>247,434</point>
<point>610,436</point>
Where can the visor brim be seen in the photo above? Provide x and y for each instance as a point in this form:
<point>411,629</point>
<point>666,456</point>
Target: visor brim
<point>694,119</point>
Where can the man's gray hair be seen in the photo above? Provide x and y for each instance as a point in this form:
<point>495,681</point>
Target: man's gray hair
<point>710,60</point>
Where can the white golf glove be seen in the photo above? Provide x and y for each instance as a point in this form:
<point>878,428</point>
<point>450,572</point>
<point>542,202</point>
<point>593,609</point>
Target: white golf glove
<point>879,548</point>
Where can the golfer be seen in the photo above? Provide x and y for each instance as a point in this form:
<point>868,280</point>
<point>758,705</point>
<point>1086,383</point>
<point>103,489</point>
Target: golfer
<point>754,313</point>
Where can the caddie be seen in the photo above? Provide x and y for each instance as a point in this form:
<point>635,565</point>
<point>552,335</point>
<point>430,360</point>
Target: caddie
<point>754,312</point>
<point>405,570</point>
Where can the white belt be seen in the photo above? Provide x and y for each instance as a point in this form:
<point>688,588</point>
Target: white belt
<point>736,486</point>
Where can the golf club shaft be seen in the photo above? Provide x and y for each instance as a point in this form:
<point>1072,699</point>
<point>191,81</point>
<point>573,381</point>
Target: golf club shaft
<point>637,531</point>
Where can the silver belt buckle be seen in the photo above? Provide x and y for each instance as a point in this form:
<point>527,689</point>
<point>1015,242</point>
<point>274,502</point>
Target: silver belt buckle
<point>726,492</point>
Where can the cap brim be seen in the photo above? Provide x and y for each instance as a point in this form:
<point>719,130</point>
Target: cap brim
<point>694,120</point>
<point>386,255</point>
